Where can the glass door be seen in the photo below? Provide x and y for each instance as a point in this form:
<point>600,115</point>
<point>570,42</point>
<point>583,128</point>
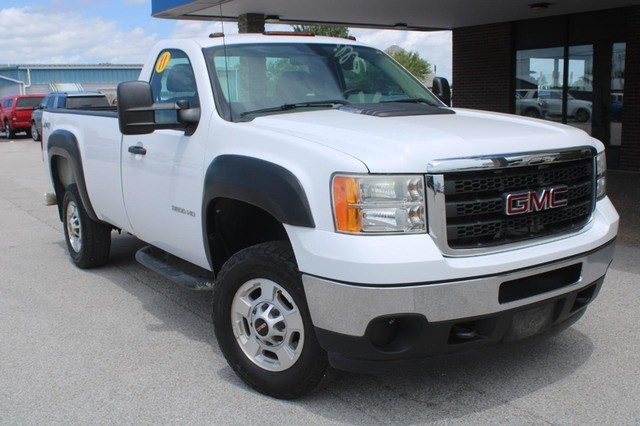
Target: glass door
<point>556,84</point>
<point>579,96</point>
<point>617,93</point>
<point>539,82</point>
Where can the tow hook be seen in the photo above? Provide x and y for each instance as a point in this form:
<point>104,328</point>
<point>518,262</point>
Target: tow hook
<point>463,333</point>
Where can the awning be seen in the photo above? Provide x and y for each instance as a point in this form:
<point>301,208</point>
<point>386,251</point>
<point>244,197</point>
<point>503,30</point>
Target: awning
<point>398,14</point>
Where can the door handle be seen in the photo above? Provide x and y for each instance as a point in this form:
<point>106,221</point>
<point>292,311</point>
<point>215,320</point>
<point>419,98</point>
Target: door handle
<point>136,149</point>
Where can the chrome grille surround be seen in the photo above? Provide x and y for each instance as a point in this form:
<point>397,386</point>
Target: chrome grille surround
<point>465,199</point>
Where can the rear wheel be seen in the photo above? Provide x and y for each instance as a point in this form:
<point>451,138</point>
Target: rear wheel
<point>88,241</point>
<point>263,325</point>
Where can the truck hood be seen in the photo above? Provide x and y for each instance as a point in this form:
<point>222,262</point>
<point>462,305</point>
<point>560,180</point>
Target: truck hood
<point>408,144</point>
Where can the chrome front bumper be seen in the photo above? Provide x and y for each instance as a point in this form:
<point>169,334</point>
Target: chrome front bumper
<point>348,308</point>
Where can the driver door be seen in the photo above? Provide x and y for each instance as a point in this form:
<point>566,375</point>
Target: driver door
<point>162,172</point>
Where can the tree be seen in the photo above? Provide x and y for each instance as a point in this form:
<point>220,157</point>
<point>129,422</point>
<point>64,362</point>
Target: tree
<point>342,32</point>
<point>417,66</point>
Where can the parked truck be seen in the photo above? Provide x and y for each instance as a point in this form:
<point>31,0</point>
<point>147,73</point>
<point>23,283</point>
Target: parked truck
<point>340,212</point>
<point>15,112</point>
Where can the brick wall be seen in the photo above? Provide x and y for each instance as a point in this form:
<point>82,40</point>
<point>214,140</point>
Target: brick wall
<point>630,149</point>
<point>482,67</point>
<point>251,23</point>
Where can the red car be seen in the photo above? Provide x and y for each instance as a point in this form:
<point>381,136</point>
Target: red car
<point>15,114</point>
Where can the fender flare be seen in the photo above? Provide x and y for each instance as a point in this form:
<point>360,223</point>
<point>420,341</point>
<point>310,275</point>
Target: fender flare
<point>62,143</point>
<point>260,183</point>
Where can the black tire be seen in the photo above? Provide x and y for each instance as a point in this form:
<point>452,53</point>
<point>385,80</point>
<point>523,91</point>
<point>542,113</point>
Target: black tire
<point>271,262</point>
<point>88,241</point>
<point>582,115</point>
<point>35,135</point>
<point>532,112</point>
<point>8,130</point>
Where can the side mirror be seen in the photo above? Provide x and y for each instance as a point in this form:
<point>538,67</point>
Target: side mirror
<point>135,102</point>
<point>442,90</point>
<point>137,111</point>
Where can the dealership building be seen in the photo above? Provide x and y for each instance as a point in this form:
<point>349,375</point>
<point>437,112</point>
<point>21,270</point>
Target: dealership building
<point>578,60</point>
<point>43,79</point>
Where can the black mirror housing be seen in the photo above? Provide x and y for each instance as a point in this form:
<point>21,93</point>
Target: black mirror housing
<point>137,111</point>
<point>442,90</point>
<point>135,103</point>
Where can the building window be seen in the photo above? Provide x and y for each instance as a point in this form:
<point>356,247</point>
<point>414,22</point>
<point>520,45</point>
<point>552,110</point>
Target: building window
<point>579,99</point>
<point>617,91</point>
<point>556,84</point>
<point>536,70</point>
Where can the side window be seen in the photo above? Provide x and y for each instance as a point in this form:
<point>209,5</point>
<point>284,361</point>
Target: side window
<point>50,102</point>
<point>173,80</point>
<point>8,103</point>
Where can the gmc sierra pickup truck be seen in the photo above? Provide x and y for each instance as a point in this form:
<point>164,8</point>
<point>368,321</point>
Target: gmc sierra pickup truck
<point>340,212</point>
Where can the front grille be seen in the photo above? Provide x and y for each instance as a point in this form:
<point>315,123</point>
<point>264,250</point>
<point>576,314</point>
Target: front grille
<point>476,207</point>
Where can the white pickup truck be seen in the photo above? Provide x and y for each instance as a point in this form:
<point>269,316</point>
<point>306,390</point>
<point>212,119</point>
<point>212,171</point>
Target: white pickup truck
<point>339,211</point>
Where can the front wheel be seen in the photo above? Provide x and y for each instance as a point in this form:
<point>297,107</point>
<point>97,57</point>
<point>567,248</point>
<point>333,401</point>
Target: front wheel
<point>88,241</point>
<point>582,115</point>
<point>532,112</point>
<point>35,135</point>
<point>263,325</point>
<point>9,132</point>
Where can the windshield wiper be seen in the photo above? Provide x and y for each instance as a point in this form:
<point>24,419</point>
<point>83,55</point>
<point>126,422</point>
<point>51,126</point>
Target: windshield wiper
<point>330,103</point>
<point>414,101</point>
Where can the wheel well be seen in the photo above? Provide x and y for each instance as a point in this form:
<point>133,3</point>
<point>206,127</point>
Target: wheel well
<point>235,225</point>
<point>62,176</point>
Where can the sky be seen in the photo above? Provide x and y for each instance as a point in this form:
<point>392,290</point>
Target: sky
<point>123,31</point>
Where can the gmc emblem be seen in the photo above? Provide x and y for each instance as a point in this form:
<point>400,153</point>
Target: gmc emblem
<point>530,201</point>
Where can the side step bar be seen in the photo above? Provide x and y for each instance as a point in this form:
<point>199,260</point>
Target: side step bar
<point>175,269</point>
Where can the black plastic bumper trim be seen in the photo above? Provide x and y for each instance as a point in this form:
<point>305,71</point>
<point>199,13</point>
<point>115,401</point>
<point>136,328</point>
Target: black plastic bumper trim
<point>360,354</point>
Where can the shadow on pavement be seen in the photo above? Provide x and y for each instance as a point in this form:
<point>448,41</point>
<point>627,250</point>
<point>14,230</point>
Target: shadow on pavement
<point>195,308</point>
<point>452,387</point>
<point>445,388</point>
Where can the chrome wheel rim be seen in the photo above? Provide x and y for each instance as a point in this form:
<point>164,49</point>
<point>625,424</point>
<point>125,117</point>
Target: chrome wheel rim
<point>34,132</point>
<point>74,231</point>
<point>267,325</point>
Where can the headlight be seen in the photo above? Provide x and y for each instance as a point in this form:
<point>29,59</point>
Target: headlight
<point>379,204</point>
<point>601,175</point>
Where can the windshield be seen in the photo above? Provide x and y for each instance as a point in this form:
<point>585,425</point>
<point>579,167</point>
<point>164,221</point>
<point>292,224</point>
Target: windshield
<point>255,79</point>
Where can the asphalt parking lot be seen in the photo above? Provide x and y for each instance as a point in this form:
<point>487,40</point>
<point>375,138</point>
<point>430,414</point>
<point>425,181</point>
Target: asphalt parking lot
<point>121,345</point>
